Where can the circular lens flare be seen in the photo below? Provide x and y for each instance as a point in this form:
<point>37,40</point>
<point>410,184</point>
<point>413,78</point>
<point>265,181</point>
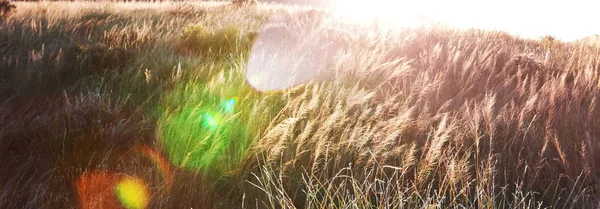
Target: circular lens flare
<point>132,193</point>
<point>292,49</point>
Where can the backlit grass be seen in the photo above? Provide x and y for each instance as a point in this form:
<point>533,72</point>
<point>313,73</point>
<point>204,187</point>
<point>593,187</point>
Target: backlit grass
<point>156,93</point>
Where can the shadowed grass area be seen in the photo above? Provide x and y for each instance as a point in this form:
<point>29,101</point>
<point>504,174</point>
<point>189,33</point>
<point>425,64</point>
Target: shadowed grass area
<point>198,40</point>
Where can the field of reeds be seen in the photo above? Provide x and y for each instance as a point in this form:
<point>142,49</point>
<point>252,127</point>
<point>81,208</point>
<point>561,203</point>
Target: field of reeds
<point>147,105</point>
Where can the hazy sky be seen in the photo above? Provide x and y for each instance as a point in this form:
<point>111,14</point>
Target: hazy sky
<point>566,20</point>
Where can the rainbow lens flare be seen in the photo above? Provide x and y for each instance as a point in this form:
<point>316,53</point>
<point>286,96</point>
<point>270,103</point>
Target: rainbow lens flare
<point>159,161</point>
<point>132,193</point>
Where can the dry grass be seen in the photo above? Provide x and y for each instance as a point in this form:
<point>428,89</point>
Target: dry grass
<point>6,9</point>
<point>427,117</point>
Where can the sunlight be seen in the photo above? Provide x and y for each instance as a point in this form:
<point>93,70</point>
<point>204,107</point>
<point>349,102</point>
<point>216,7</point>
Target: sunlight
<point>395,12</point>
<point>528,19</point>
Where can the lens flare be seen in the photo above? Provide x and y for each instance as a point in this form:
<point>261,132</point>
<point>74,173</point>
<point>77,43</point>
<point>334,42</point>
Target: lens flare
<point>101,189</point>
<point>201,132</point>
<point>289,51</point>
<point>255,80</point>
<point>391,12</point>
<point>132,193</point>
<point>96,190</point>
<point>159,161</point>
<point>211,121</point>
<point>229,105</point>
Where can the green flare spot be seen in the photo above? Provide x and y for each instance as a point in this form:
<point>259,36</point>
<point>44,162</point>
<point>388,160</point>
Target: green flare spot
<point>210,121</point>
<point>228,105</point>
<point>132,193</point>
<point>197,128</point>
<point>198,132</point>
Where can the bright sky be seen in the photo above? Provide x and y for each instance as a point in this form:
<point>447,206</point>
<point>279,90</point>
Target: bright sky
<point>566,20</point>
<point>277,63</point>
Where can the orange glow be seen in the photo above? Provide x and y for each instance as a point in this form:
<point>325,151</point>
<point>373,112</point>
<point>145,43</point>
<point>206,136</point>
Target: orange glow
<point>97,190</point>
<point>161,163</point>
<point>101,189</point>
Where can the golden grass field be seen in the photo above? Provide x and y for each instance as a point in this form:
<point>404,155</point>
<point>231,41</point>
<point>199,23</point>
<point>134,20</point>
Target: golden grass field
<point>146,105</point>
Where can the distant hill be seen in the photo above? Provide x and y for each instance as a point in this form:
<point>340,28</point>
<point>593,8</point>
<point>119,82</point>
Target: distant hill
<point>591,40</point>
<point>318,3</point>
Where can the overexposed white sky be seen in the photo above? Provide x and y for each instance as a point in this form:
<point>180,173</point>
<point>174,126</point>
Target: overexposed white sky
<point>566,20</point>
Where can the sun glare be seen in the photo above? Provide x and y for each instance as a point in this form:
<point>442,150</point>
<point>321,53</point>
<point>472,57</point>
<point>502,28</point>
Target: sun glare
<point>395,12</point>
<point>530,19</point>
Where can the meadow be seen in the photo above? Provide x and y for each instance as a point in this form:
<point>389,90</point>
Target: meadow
<point>148,105</point>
